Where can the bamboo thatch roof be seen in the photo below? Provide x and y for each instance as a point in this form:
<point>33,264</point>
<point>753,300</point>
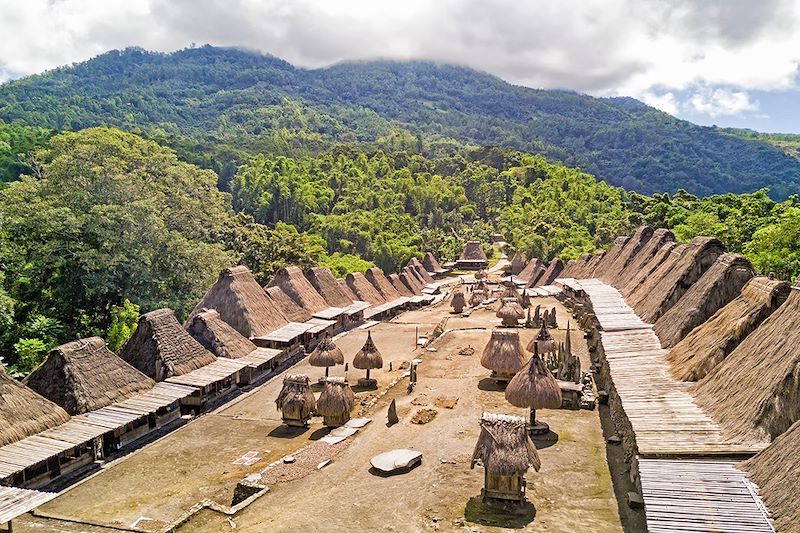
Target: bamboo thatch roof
<point>710,343</point>
<point>503,353</point>
<point>473,251</point>
<point>292,281</point>
<point>365,290</point>
<point>587,269</point>
<point>611,270</point>
<point>421,271</point>
<point>550,274</point>
<point>774,470</point>
<point>720,284</point>
<point>218,337</point>
<point>296,395</point>
<point>543,341</point>
<point>23,412</point>
<point>504,446</point>
<point>430,263</point>
<point>326,354</point>
<point>242,303</point>
<point>325,284</point>
<point>477,297</point>
<point>347,290</point>
<point>530,270</point>
<point>160,348</point>
<point>378,280</point>
<point>84,375</point>
<point>658,294</point>
<point>368,357</point>
<point>290,309</point>
<point>336,399</point>
<point>419,274</point>
<point>610,257</point>
<point>652,254</point>
<point>755,391</point>
<point>397,283</point>
<point>534,386</point>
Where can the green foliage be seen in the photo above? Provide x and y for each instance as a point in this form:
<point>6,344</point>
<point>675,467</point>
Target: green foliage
<point>775,248</point>
<point>29,354</point>
<point>342,264</point>
<point>124,319</point>
<point>17,143</point>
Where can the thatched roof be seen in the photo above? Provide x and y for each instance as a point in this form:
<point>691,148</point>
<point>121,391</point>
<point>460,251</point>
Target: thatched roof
<point>326,354</point>
<point>610,271</point>
<point>430,263</point>
<point>720,284</point>
<point>657,295</point>
<point>530,270</point>
<point>516,264</point>
<point>657,248</point>
<point>610,257</point>
<point>23,412</point>
<point>458,300</point>
<point>290,309</point>
<point>217,336</point>
<point>477,297</point>
<point>473,251</point>
<point>420,268</point>
<point>755,391</point>
<point>368,357</point>
<point>365,290</point>
<point>325,284</point>
<point>417,272</point>
<point>503,353</point>
<point>375,276</point>
<point>587,270</point>
<point>397,283</point>
<point>292,281</point>
<point>504,446</point>
<point>84,375</point>
<point>160,348</point>
<point>242,303</point>
<point>534,386</point>
<point>774,470</point>
<point>346,289</point>
<point>337,398</point>
<point>296,394</point>
<point>543,341</point>
<point>411,280</point>
<point>709,344</point>
<point>550,274</point>
<point>510,311</point>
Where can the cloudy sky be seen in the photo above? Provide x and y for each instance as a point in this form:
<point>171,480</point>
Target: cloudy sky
<point>725,62</point>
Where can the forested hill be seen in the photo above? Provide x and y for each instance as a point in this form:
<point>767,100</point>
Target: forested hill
<point>217,106</point>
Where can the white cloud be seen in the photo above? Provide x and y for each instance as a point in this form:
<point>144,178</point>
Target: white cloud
<point>722,102</point>
<point>666,102</point>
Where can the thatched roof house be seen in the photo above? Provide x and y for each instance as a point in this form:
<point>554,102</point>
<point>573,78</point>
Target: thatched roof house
<point>23,412</point>
<point>504,446</point>
<point>292,282</point>
<point>532,270</point>
<point>365,291</point>
<point>587,270</point>
<point>610,270</point>
<point>720,284</point>
<point>516,265</point>
<point>242,303</point>
<point>420,268</point>
<point>710,343</point>
<point>649,258</point>
<point>550,274</point>
<point>472,257</point>
<point>431,265</point>
<point>160,348</point>
<point>416,272</point>
<point>400,287</point>
<point>347,289</point>
<point>503,354</point>
<point>296,401</point>
<point>217,336</point>
<point>84,375</point>
<point>325,284</point>
<point>368,357</point>
<point>774,470</point>
<point>291,310</point>
<point>326,354</point>
<point>378,280</point>
<point>410,280</point>
<point>336,401</point>
<point>755,392</point>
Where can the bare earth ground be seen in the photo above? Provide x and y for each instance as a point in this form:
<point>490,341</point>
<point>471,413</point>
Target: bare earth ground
<point>572,492</point>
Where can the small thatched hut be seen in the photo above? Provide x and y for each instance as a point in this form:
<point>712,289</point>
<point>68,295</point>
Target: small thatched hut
<point>367,359</point>
<point>720,284</point>
<point>553,271</point>
<point>510,312</point>
<point>477,297</point>
<point>516,265</point>
<point>397,283</point>
<point>325,284</point>
<point>288,307</point>
<point>326,354</point>
<point>296,401</point>
<point>458,302</point>
<point>242,303</point>
<point>503,354</point>
<point>336,402</point>
<point>292,282</point>
<point>23,412</point>
<point>472,257</point>
<point>365,290</point>
<point>160,348</point>
<point>710,343</point>
<point>417,272</point>
<point>534,387</point>
<point>84,375</point>
<point>378,279</point>
<point>506,452</point>
<point>217,336</point>
<point>775,472</point>
<point>510,292</point>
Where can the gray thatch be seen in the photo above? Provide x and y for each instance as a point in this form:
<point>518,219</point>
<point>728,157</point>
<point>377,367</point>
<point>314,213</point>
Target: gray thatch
<point>473,251</point>
<point>23,412</point>
<point>364,289</point>
<point>477,297</point>
<point>397,283</point>
<point>325,284</point>
<point>420,268</point>
<point>710,343</point>
<point>534,386</point>
<point>218,337</point>
<point>368,357</point>
<point>755,391</point>
<point>634,245</point>
<point>376,276</point>
<point>652,254</point>
<point>292,281</point>
<point>720,284</point>
<point>503,353</point>
<point>326,354</point>
<point>160,348</point>
<point>84,375</point>
<point>550,274</point>
<point>296,401</point>
<point>336,401</point>
<point>242,303</point>
<point>504,446</point>
<point>290,309</point>
<point>774,470</point>
<point>458,301</point>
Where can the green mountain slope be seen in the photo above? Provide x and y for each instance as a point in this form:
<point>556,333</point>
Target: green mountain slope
<point>242,103</point>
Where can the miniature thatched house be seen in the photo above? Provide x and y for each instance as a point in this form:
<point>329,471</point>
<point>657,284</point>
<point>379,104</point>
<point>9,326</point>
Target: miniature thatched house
<point>510,312</point>
<point>368,358</point>
<point>534,387</point>
<point>503,354</point>
<point>458,302</point>
<point>326,354</point>
<point>296,401</point>
<point>336,402</point>
<point>84,375</point>
<point>506,452</point>
<point>472,257</point>
<point>23,412</point>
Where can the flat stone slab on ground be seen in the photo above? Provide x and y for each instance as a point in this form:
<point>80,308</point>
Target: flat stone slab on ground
<point>396,460</point>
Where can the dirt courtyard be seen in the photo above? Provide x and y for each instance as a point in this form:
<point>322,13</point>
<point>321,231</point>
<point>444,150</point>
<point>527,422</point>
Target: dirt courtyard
<point>572,491</point>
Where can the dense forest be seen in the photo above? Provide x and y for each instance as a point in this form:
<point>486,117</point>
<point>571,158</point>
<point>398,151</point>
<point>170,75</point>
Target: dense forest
<point>218,106</point>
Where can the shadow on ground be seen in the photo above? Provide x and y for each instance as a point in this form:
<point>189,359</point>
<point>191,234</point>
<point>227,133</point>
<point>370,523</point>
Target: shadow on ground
<point>509,515</point>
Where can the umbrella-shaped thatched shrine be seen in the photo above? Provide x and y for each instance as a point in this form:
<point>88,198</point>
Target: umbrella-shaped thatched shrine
<point>534,387</point>
<point>368,358</point>
<point>326,354</point>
